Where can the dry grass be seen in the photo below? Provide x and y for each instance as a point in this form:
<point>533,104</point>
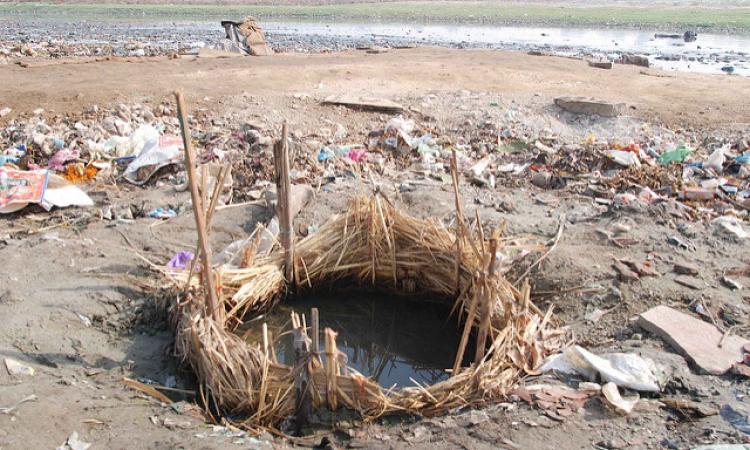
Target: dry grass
<point>372,245</point>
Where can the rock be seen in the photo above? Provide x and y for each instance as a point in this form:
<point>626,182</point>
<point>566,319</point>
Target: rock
<point>684,268</point>
<point>697,340</point>
<point>612,444</point>
<point>5,111</point>
<point>365,103</point>
<point>601,64</point>
<point>541,179</point>
<point>636,60</point>
<point>587,105</point>
<point>16,368</point>
<point>624,273</point>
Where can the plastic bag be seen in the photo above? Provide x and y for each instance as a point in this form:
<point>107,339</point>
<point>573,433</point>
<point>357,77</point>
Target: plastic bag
<point>678,155</point>
<point>716,160</point>
<point>156,154</point>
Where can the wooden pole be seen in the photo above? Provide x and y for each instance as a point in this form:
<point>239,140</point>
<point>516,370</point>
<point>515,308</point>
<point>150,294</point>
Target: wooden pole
<point>199,213</point>
<point>283,207</point>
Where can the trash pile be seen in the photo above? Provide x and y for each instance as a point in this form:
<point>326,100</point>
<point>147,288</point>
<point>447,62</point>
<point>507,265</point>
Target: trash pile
<point>244,37</point>
<point>690,175</point>
<point>59,48</point>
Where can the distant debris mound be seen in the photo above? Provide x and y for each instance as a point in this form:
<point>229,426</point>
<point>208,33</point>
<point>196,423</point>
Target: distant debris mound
<point>245,37</point>
<point>636,60</point>
<point>688,36</point>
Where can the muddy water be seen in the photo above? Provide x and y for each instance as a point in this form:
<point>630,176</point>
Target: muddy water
<point>390,339</point>
<point>708,54</point>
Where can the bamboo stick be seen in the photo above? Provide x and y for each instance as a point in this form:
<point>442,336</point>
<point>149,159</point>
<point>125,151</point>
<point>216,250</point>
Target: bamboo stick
<point>284,210</point>
<point>314,316</point>
<point>331,369</point>
<point>486,303</point>
<point>459,220</point>
<point>221,176</point>
<point>198,212</point>
<point>302,379</point>
<point>467,331</point>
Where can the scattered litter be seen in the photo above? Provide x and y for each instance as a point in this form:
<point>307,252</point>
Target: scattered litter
<point>623,158</point>
<point>146,389</point>
<point>162,213</point>
<point>18,189</point>
<point>730,226</point>
<point>557,401</point>
<point>689,408</point>
<point>155,154</point>
<point>16,368</point>
<point>626,370</point>
<point>594,315</point>
<point>730,283</point>
<point>682,243</point>
<point>10,409</point>
<point>677,155</point>
<point>723,447</point>
<point>611,394</point>
<point>181,260</point>
<point>735,418</point>
<point>74,443</point>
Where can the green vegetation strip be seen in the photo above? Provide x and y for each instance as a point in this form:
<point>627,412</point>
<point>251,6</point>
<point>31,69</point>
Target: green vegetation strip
<point>737,18</point>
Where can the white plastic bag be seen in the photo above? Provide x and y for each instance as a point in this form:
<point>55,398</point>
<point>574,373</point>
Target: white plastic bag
<point>156,154</point>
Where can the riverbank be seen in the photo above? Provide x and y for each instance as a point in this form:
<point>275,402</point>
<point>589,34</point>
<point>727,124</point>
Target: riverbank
<point>730,19</point>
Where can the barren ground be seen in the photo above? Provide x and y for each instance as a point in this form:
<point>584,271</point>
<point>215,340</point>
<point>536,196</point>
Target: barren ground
<point>50,277</point>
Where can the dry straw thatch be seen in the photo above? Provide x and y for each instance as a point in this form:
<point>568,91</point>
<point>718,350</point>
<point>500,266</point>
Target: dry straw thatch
<point>373,245</point>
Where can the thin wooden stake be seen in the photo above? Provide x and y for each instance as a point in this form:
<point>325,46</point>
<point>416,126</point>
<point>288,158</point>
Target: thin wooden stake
<point>332,371</point>
<point>218,187</point>
<point>315,318</point>
<point>302,379</point>
<point>467,331</point>
<point>199,213</point>
<point>283,207</point>
<point>486,306</point>
<point>459,220</point>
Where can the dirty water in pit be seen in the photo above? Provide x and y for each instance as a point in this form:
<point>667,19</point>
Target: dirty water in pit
<point>390,339</point>
<point>708,54</point>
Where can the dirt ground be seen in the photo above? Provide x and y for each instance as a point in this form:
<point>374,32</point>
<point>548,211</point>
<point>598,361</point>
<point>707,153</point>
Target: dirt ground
<point>76,300</point>
<point>674,98</point>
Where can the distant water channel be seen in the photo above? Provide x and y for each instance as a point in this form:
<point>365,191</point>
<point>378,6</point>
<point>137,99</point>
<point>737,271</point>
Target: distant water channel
<point>709,53</point>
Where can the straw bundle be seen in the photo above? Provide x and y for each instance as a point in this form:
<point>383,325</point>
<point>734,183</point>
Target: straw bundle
<point>373,246</point>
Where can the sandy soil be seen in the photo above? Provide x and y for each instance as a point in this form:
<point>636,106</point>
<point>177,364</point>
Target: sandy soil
<point>674,98</point>
<point>76,303</point>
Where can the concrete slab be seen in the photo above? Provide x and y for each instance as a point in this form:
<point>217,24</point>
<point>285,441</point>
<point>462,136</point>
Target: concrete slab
<point>694,338</point>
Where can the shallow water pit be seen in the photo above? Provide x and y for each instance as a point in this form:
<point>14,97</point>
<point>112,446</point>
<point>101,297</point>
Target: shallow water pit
<point>390,339</point>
